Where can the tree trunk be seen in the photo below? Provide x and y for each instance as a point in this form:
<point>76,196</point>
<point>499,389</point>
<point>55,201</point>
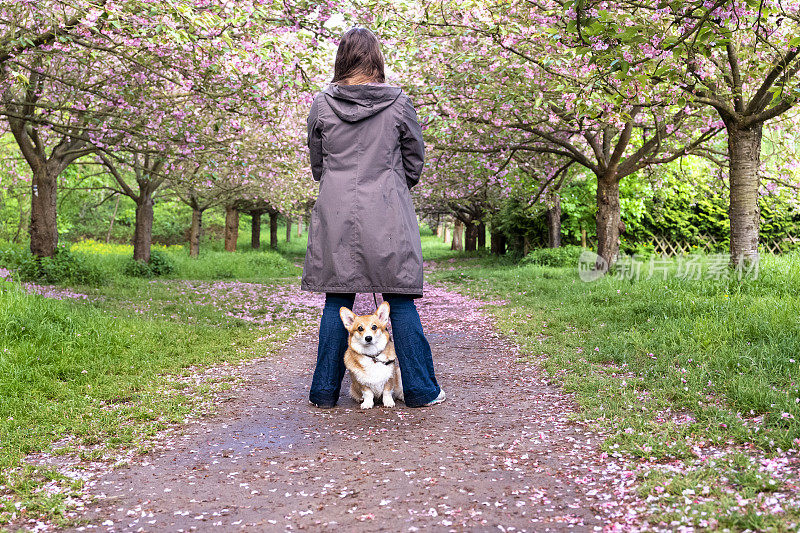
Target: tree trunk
<point>554,222</point>
<point>458,233</point>
<point>744,148</point>
<point>143,230</point>
<point>288,229</point>
<point>498,243</point>
<point>609,219</point>
<point>255,230</point>
<point>445,232</point>
<point>583,238</point>
<point>194,234</point>
<point>300,226</point>
<point>273,230</point>
<point>113,218</point>
<point>43,228</point>
<point>482,235</point>
<point>231,228</point>
<point>471,237</point>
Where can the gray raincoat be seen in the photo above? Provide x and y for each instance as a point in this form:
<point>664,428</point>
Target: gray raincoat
<point>367,152</point>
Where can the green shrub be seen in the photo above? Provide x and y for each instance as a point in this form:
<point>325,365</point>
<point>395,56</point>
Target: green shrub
<point>160,264</point>
<point>642,249</point>
<point>425,229</point>
<point>63,267</point>
<point>11,255</point>
<point>565,256</point>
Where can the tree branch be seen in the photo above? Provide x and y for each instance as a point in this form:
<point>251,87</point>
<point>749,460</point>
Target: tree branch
<point>761,99</point>
<point>736,76</point>
<point>113,169</point>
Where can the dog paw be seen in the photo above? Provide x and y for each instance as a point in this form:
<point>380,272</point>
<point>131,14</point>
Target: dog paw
<point>388,402</point>
<point>366,405</point>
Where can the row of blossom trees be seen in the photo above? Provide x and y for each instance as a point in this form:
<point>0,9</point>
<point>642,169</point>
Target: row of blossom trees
<point>209,98</point>
<point>614,87</point>
<point>197,95</point>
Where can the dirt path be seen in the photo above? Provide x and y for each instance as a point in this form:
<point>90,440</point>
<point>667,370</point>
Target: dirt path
<point>499,455</point>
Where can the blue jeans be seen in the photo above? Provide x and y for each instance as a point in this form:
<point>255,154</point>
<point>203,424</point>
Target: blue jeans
<point>413,351</point>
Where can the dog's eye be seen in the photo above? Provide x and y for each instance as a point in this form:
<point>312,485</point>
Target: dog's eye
<point>374,327</point>
<point>360,328</point>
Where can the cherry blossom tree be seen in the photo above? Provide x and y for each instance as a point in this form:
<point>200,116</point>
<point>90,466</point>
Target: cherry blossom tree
<point>148,174</point>
<point>201,185</point>
<point>740,58</point>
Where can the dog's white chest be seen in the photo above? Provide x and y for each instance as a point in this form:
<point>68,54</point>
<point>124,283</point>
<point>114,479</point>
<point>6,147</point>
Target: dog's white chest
<point>375,375</point>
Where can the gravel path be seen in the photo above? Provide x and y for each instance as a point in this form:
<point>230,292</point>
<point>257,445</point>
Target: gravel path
<point>499,455</point>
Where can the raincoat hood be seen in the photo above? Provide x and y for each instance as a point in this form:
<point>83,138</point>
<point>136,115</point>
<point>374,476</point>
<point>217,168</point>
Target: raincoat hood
<point>352,103</point>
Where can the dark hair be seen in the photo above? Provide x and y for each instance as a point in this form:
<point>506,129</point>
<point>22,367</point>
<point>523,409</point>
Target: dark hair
<point>359,56</point>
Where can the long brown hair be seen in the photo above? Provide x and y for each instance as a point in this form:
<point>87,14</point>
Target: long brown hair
<point>358,58</point>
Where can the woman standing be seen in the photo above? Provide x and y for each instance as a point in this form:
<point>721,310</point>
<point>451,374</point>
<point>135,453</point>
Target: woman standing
<point>367,152</point>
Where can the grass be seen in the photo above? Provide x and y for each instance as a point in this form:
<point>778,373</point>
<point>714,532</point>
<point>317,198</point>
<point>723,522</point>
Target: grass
<point>106,373</point>
<point>665,366</point>
<point>213,264</point>
<point>69,369</point>
<point>713,347</point>
<point>63,364</point>
<point>102,263</point>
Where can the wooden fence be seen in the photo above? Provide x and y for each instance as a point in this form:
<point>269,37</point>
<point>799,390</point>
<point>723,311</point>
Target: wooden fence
<point>784,245</point>
<point>708,244</point>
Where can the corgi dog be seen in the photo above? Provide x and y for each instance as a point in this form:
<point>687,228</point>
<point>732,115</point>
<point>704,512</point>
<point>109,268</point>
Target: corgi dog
<point>370,358</point>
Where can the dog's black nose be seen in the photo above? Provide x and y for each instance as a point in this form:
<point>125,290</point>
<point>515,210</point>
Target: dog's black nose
<point>368,338</point>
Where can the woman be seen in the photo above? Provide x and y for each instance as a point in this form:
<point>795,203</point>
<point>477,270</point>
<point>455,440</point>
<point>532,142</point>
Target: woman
<point>367,152</point>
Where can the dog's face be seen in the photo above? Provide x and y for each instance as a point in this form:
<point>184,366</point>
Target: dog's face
<point>367,333</point>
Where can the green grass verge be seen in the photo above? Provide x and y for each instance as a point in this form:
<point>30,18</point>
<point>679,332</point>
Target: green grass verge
<point>99,264</point>
<point>72,369</point>
<point>664,365</point>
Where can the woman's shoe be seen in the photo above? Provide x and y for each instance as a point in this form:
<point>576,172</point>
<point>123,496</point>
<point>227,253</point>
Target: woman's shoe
<point>439,399</point>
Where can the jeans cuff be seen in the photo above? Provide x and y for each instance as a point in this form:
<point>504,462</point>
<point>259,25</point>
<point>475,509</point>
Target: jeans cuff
<point>415,401</point>
<point>321,400</point>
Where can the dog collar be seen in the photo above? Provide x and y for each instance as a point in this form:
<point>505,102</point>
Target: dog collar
<point>375,360</point>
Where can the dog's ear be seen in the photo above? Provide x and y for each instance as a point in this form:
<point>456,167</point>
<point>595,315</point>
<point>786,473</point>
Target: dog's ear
<point>383,313</point>
<point>347,316</point>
